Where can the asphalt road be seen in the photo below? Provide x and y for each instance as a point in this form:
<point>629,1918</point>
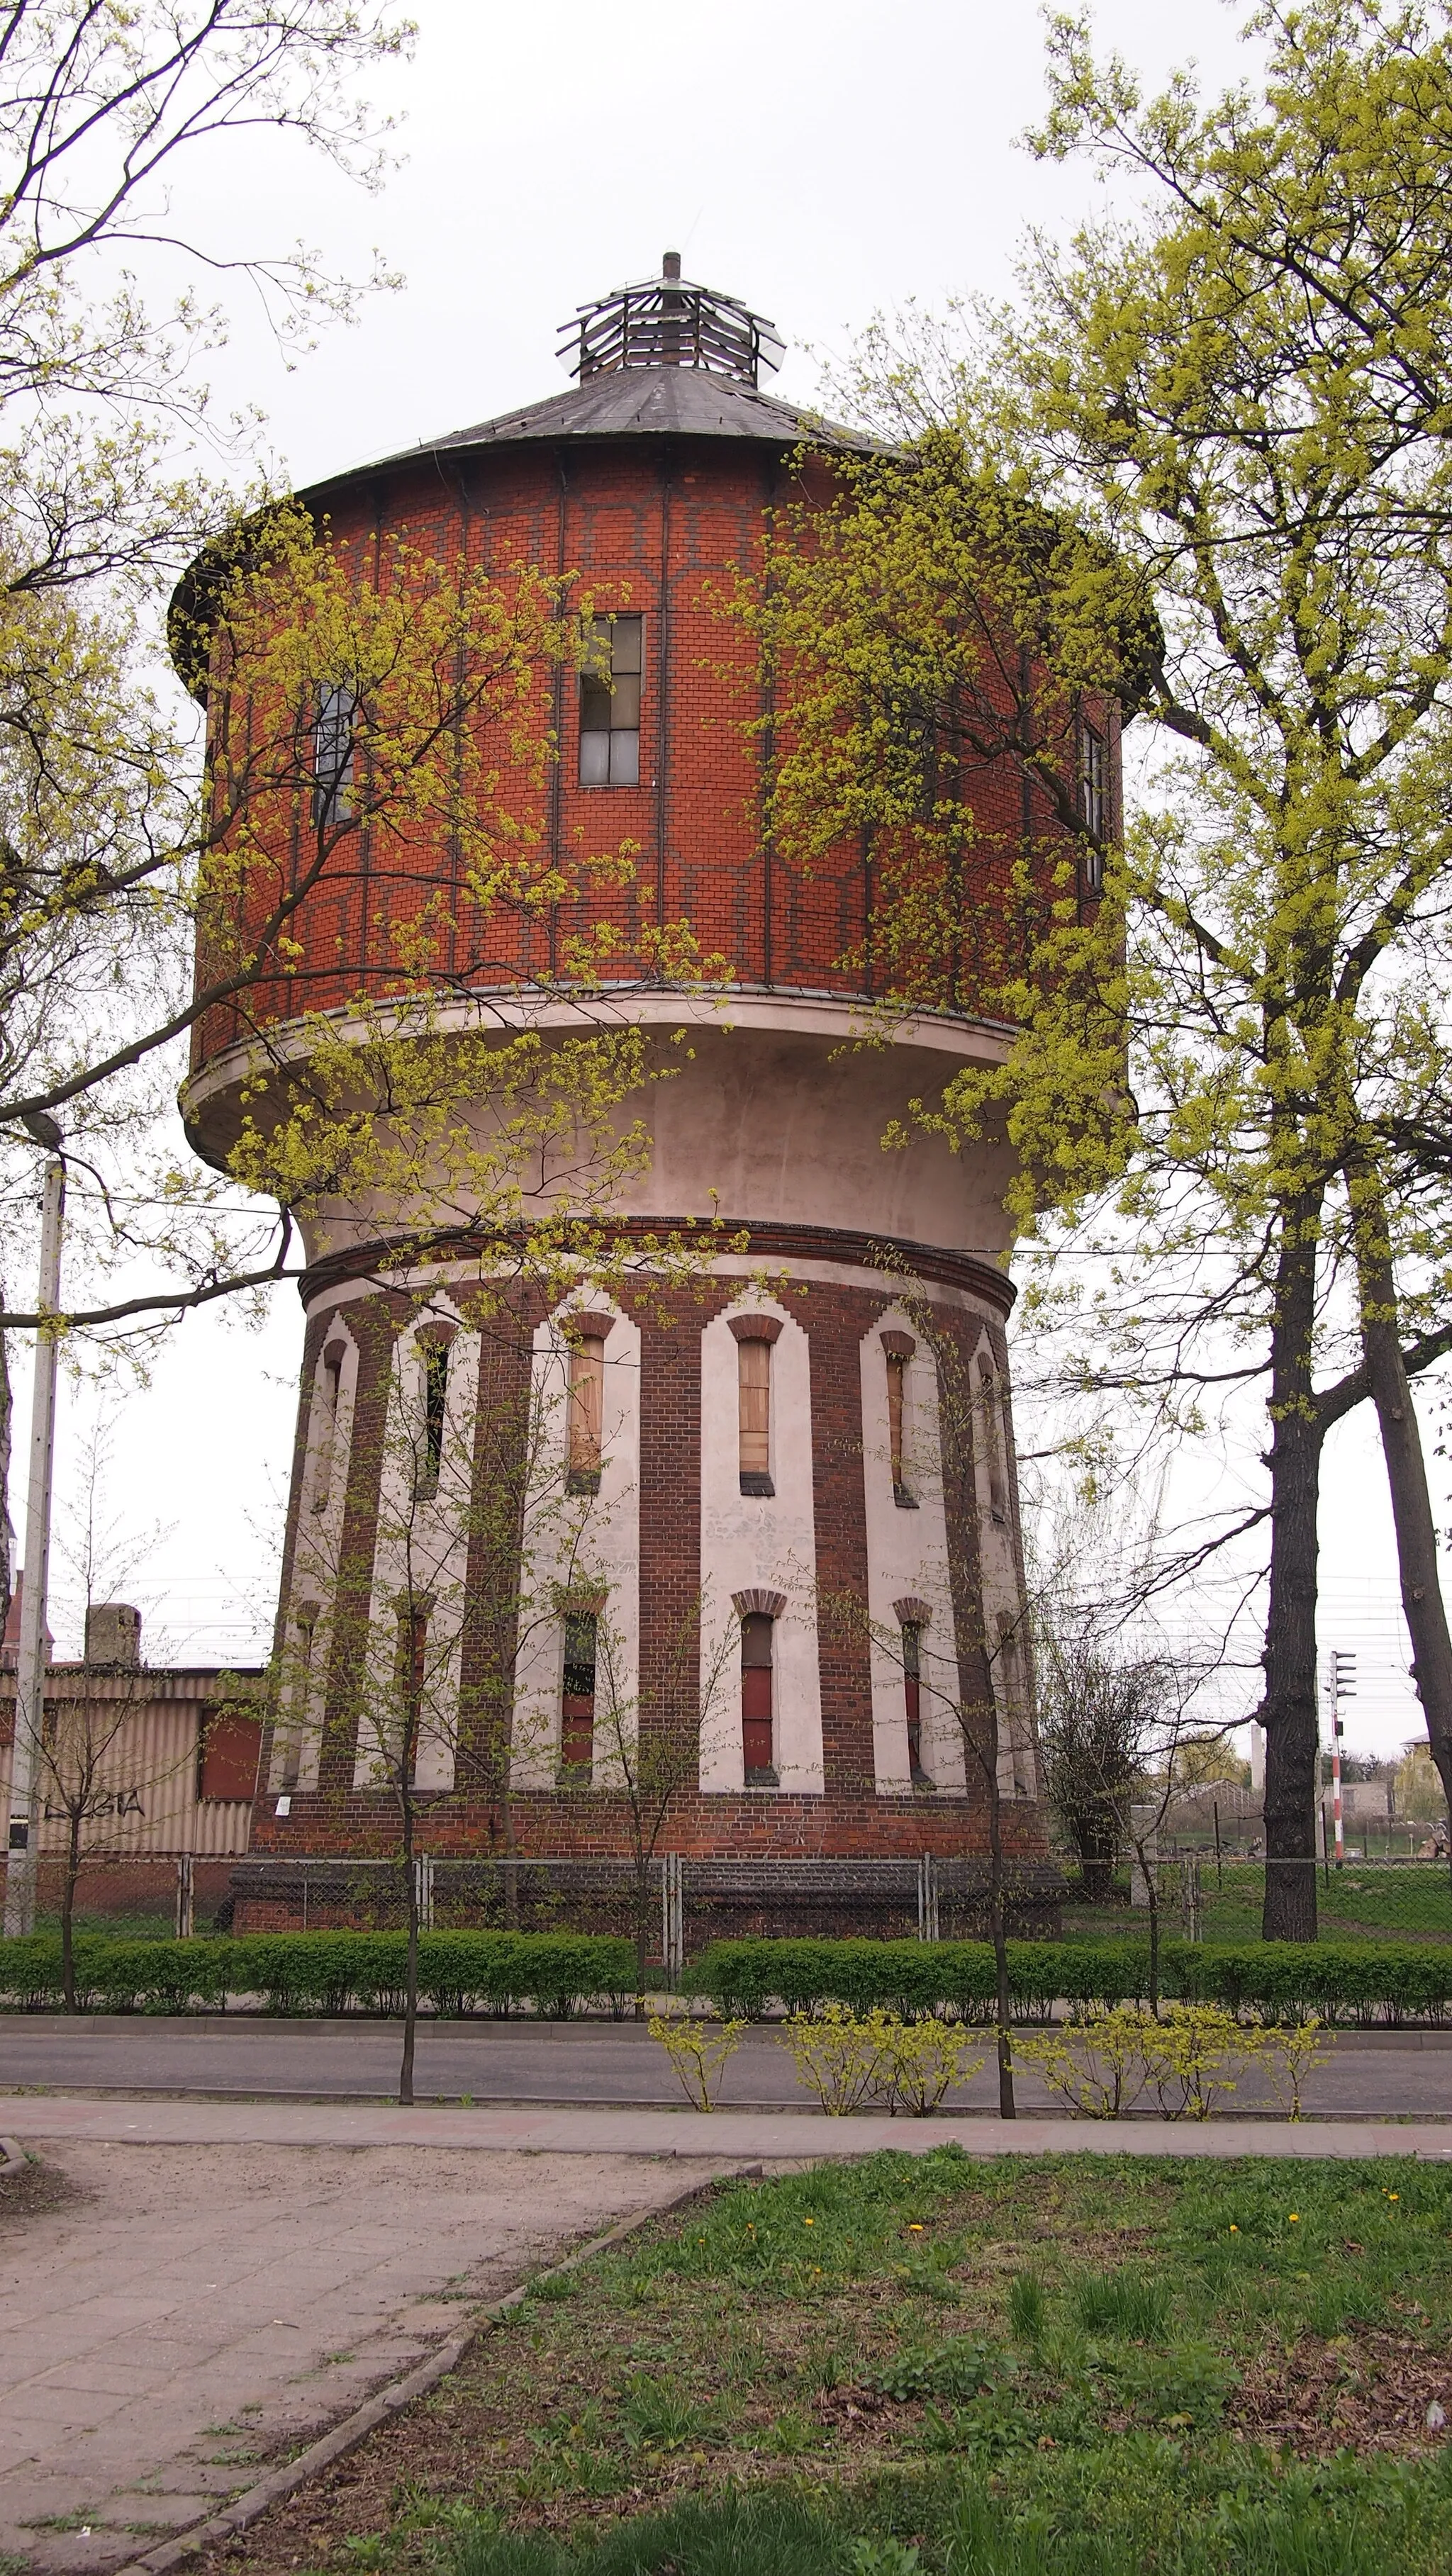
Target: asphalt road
<point>1386,2075</point>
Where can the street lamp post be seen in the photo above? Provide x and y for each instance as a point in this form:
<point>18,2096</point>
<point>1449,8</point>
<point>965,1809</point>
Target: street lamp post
<point>22,1868</point>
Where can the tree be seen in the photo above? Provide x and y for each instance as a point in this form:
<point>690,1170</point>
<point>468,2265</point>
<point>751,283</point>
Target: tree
<point>103,407</point>
<point>1190,472</point>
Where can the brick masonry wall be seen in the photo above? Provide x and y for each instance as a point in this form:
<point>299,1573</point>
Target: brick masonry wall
<point>852,1818</point>
<point>659,529</point>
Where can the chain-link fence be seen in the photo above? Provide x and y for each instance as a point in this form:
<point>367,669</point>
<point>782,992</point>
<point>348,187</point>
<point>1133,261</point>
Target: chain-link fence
<point>136,1896</point>
<point>687,1902</point>
<point>1215,1897</point>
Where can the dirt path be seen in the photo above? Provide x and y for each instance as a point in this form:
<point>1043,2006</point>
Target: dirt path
<point>184,2313</point>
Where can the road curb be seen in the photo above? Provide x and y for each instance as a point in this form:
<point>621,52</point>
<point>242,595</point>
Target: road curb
<point>375,2410</point>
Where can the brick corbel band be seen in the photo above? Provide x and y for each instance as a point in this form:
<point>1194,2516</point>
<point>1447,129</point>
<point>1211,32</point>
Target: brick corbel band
<point>755,1328</point>
<point>910,1613</point>
<point>767,1605</point>
<point>898,1346</point>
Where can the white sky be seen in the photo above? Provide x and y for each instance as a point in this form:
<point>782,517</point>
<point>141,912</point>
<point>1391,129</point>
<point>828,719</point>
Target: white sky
<point>820,161</point>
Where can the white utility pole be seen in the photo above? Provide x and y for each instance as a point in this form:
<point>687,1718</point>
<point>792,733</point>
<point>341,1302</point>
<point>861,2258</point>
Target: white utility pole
<point>1343,1686</point>
<point>22,1868</point>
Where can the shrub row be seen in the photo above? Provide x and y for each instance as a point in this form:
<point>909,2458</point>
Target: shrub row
<point>554,1974</point>
<point>327,1972</point>
<point>1365,1981</point>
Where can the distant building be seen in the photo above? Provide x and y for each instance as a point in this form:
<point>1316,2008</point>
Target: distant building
<point>160,1762</point>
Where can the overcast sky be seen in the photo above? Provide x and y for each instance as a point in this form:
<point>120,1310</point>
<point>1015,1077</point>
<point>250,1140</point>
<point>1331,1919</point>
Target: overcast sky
<point>822,162</point>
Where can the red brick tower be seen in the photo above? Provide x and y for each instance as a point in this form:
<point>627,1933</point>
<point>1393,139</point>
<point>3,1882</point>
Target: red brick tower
<point>760,1459</point>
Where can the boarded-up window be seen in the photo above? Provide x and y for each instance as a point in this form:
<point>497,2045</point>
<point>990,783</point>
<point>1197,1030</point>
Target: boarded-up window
<point>587,1410</point>
<point>231,1743</point>
<point>753,1365</point>
<point>757,1634</point>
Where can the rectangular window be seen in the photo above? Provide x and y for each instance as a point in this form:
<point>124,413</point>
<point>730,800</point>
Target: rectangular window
<point>334,728</point>
<point>577,1707</point>
<point>329,1386</point>
<point>1092,799</point>
<point>912,1683</point>
<point>610,683</point>
<point>435,1399</point>
<point>756,1696</point>
<point>587,1411</point>
<point>753,1378</point>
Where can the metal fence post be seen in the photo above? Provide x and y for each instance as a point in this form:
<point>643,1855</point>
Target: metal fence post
<point>424,1882</point>
<point>672,1914</point>
<point>927,1898</point>
<point>186,1897</point>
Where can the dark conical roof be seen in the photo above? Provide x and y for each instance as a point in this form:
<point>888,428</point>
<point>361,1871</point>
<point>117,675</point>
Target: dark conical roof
<point>664,359</point>
<point>631,402</point>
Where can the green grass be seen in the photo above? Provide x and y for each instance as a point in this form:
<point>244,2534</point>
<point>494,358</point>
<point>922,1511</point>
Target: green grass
<point>1412,1902</point>
<point>931,2366</point>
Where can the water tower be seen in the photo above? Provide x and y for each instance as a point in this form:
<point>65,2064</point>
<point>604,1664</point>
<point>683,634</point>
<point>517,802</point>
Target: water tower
<point>760,1455</point>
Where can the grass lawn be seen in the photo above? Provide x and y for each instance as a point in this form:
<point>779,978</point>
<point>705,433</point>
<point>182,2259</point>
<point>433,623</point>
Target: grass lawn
<point>1081,2364</point>
<point>1410,1903</point>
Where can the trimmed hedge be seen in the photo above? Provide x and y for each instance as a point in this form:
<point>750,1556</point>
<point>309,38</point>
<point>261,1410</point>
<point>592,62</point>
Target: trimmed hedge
<point>555,1974</point>
<point>327,1972</point>
<point>1360,1981</point>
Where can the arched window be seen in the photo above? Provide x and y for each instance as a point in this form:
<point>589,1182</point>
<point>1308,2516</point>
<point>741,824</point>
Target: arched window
<point>587,1408</point>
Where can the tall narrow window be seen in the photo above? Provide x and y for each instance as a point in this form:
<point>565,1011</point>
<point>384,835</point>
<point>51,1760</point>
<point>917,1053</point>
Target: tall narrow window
<point>993,1439</point>
<point>899,1349</point>
<point>757,1632</point>
<point>1092,800</point>
<point>577,1706</point>
<point>753,1372</point>
<point>610,702</point>
<point>292,1749</point>
<point>912,1683</point>
<point>334,728</point>
<point>435,1357</point>
<point>329,1387</point>
<point>587,1411</point>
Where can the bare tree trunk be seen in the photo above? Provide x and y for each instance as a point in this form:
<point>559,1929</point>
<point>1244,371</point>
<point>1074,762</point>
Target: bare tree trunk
<point>410,1977</point>
<point>1288,1709</point>
<point>1422,1604</point>
<point>68,1912</point>
<point>1003,2024</point>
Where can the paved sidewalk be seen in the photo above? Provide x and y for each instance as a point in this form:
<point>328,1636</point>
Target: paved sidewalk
<point>221,2297</point>
<point>726,2137</point>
